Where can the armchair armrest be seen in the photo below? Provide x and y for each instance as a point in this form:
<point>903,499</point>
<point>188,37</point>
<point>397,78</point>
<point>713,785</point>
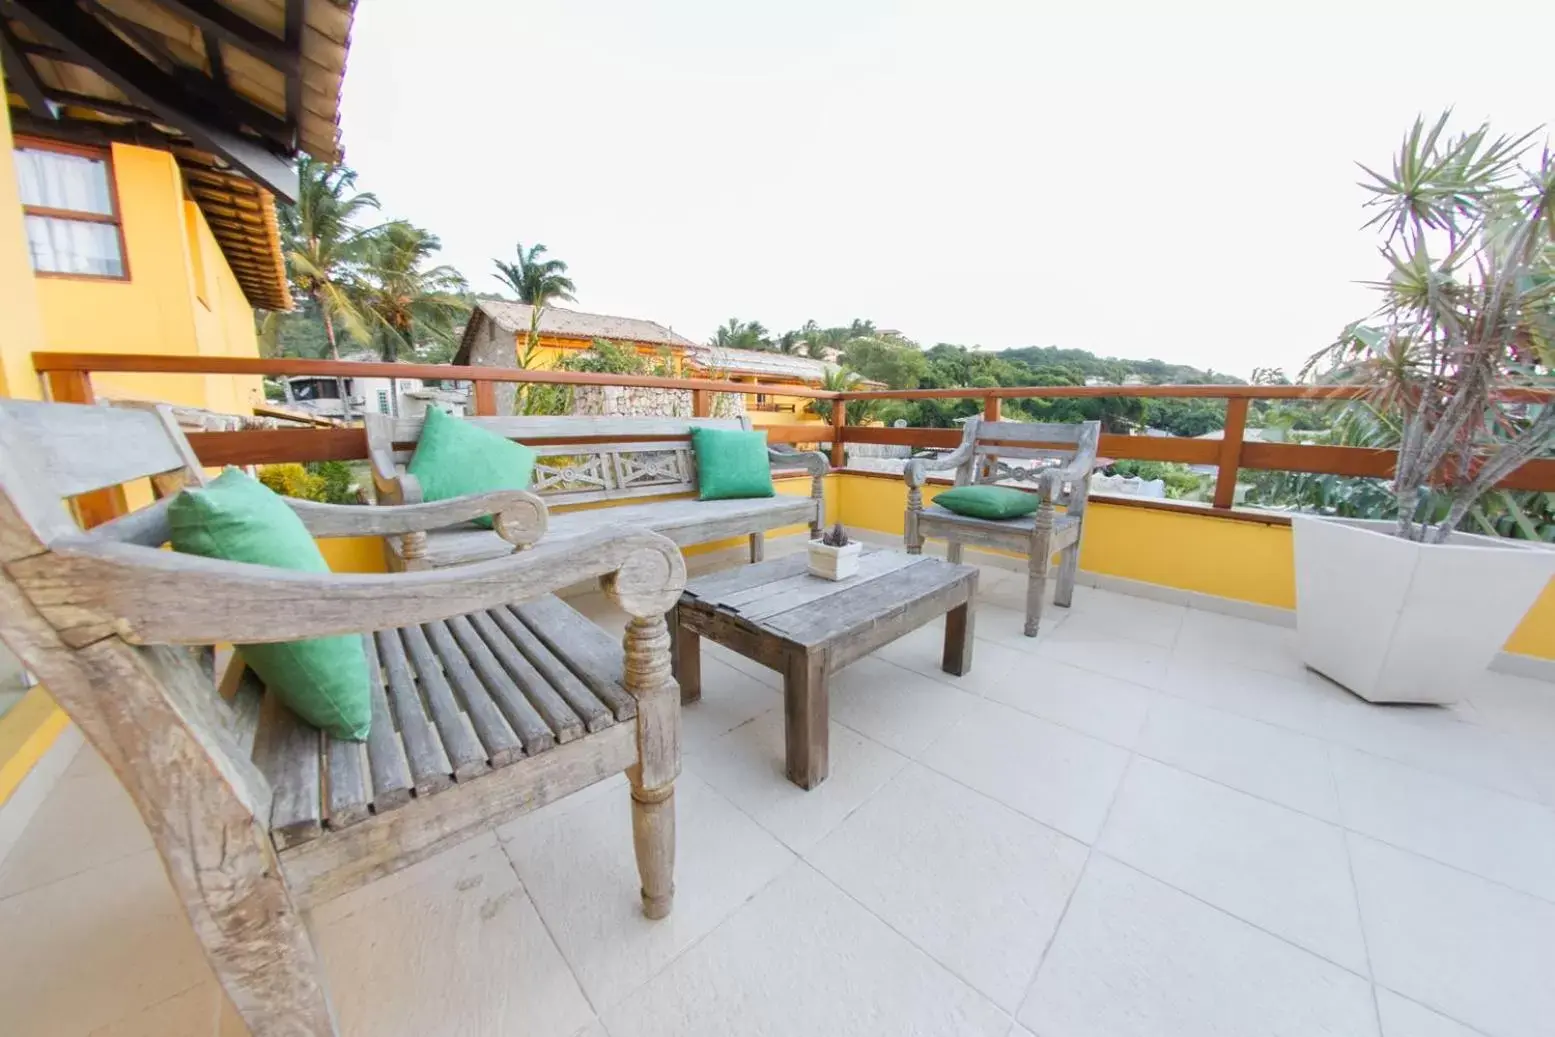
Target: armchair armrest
<point>918,468</point>
<point>813,462</point>
<point>91,589</point>
<point>1052,481</point>
<point>518,516</point>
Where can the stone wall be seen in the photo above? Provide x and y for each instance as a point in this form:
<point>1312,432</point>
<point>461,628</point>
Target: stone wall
<point>620,401</point>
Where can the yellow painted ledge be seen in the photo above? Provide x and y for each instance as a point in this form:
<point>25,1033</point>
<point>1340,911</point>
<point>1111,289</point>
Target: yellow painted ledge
<point>26,732</point>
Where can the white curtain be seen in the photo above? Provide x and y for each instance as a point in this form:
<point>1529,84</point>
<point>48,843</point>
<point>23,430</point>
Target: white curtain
<point>59,181</point>
<point>74,247</point>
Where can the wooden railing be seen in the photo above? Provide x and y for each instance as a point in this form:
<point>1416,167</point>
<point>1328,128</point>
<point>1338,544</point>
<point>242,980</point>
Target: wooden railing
<point>68,377</point>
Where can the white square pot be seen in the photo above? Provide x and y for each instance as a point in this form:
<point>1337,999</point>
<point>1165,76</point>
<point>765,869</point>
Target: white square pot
<point>834,563</point>
<point>1398,621</point>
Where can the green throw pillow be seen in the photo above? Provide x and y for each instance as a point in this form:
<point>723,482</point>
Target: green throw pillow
<point>455,458</point>
<point>236,518</point>
<point>988,502</point>
<point>731,464</point>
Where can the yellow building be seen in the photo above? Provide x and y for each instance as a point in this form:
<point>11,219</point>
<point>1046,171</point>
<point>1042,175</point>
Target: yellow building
<point>498,332</point>
<point>137,205</point>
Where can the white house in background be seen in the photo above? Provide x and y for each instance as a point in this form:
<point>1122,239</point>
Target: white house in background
<point>401,397</point>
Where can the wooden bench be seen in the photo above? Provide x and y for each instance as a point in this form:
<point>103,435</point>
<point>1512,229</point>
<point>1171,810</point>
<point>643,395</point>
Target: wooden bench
<point>587,460</point>
<point>1065,455</point>
<point>490,697</point>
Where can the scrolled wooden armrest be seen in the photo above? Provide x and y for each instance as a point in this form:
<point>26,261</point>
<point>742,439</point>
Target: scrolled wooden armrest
<point>90,589</point>
<point>1052,481</point>
<point>518,516</point>
<point>918,468</point>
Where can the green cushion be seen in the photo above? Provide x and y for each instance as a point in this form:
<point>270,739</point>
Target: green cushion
<point>988,502</point>
<point>454,458</point>
<point>731,464</point>
<point>235,518</point>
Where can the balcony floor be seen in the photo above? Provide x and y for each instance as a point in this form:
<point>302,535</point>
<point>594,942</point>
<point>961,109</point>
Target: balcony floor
<point>1148,821</point>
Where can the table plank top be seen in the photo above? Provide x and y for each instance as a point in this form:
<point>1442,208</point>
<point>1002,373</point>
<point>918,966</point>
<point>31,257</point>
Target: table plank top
<point>781,598</point>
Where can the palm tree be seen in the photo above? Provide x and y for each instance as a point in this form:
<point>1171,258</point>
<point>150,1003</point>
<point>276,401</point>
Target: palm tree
<point>405,301</point>
<point>790,342</point>
<point>536,281</point>
<point>739,334</point>
<point>323,244</point>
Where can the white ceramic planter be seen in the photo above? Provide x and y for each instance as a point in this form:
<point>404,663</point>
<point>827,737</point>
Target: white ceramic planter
<point>1396,621</point>
<point>834,563</point>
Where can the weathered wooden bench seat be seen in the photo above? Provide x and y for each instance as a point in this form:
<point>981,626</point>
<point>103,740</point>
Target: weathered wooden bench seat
<point>587,460</point>
<point>1058,458</point>
<point>490,696</point>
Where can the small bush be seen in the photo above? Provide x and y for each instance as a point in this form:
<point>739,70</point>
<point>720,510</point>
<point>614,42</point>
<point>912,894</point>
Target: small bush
<point>328,482</point>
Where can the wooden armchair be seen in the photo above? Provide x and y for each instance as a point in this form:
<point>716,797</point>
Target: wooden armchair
<point>490,697</point>
<point>986,449</point>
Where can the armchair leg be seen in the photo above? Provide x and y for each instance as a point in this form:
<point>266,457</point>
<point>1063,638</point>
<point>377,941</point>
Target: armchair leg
<point>1038,564</point>
<point>1063,593</point>
<point>911,537</point>
<point>650,681</point>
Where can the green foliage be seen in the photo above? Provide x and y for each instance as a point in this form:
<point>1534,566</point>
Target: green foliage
<point>893,362</point>
<point>1182,482</point>
<point>1185,417</point>
<point>739,334</point>
<point>602,357</point>
<point>328,482</point>
<point>404,300</point>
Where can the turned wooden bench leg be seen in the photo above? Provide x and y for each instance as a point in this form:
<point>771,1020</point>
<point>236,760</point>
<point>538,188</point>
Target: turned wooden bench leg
<point>758,547</point>
<point>650,681</point>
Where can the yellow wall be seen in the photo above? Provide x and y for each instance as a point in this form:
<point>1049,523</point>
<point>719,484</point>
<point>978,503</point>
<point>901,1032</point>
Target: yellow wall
<point>1247,561</point>
<point>157,309</point>
<point>181,299</point>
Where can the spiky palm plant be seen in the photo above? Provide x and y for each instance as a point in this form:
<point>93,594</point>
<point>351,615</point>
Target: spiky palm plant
<point>1467,320</point>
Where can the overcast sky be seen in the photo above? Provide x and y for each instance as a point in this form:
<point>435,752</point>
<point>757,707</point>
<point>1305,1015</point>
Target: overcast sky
<point>1178,184</point>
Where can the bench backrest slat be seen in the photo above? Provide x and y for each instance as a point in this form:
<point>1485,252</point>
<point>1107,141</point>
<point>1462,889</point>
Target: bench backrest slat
<point>581,459</point>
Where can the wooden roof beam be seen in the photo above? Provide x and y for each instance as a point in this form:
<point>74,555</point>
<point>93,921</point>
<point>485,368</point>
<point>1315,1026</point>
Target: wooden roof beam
<point>215,20</point>
<point>21,75</point>
<point>95,46</point>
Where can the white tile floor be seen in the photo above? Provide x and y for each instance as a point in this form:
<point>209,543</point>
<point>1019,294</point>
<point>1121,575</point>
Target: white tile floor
<point>1148,821</point>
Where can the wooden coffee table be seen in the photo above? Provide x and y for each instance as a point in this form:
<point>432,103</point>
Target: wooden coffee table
<point>808,628</point>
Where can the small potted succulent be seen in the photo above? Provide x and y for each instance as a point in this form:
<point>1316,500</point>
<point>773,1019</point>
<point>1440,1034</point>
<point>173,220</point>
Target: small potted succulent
<point>834,556</point>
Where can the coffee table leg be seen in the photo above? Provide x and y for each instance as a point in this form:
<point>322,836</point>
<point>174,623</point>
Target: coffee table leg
<point>958,640</point>
<point>686,658</point>
<point>806,710</point>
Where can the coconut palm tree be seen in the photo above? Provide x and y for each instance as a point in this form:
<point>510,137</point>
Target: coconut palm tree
<point>323,243</point>
<point>534,280</point>
<point>404,300</point>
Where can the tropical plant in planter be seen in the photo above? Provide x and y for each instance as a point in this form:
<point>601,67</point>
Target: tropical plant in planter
<point>1458,357</point>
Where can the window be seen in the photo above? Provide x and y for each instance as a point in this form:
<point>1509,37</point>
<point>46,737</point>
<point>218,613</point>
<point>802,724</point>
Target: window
<point>315,389</point>
<point>383,401</point>
<point>70,212</point>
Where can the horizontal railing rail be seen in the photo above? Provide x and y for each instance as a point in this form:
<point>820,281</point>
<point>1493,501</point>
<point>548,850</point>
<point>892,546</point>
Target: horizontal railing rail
<point>67,377</point>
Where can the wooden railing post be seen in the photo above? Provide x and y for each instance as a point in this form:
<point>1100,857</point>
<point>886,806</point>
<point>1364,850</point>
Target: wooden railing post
<point>1231,452</point>
<point>839,419</point>
<point>991,408</point>
<point>485,399</point>
<point>97,507</point>
<point>701,403</point>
